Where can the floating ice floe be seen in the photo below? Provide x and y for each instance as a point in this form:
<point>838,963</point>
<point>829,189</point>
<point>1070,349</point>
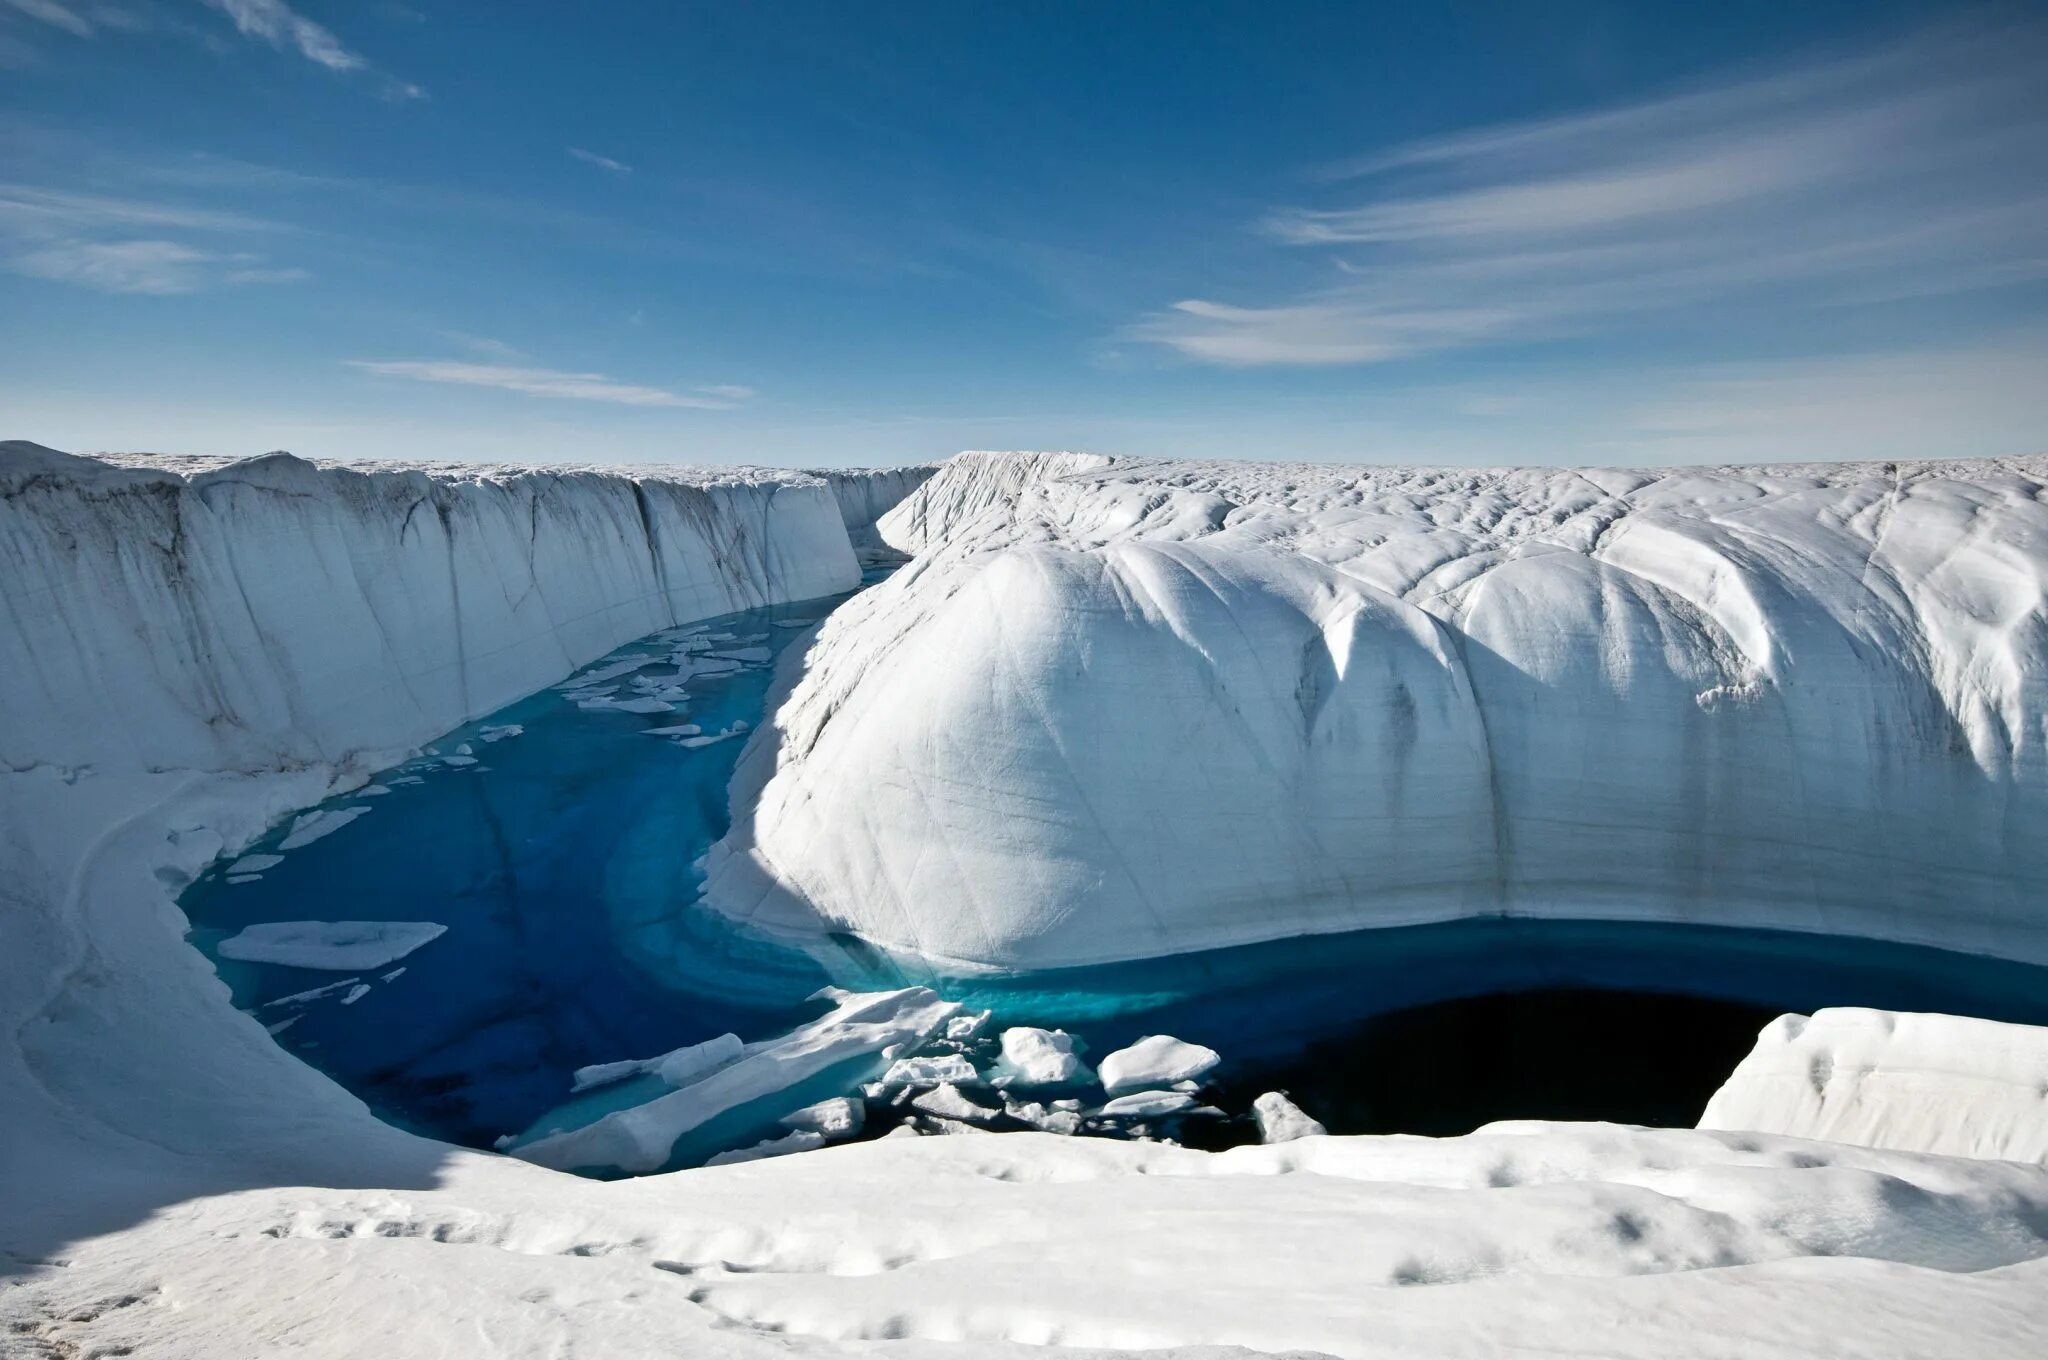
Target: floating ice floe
<point>1037,1057</point>
<point>1281,1120</point>
<point>255,864</point>
<point>1158,1060</point>
<point>311,826</point>
<point>356,993</point>
<point>838,1117</point>
<point>673,730</point>
<point>642,1137</point>
<point>610,671</point>
<point>501,731</point>
<point>335,946</point>
<point>314,993</point>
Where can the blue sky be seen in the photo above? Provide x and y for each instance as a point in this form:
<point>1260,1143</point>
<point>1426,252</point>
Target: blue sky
<point>842,233</point>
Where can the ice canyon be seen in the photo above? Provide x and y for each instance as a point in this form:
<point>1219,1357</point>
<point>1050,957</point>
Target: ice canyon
<point>1105,750</point>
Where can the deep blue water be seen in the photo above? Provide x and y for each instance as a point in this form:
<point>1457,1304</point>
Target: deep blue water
<point>563,860</point>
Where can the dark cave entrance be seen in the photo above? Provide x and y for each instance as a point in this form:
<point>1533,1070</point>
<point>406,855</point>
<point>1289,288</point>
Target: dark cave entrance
<point>1574,1053</point>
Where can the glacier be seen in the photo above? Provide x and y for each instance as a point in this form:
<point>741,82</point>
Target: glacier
<point>196,651</point>
<point>1117,709</point>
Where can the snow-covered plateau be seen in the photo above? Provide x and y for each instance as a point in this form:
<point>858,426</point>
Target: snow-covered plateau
<point>1315,700</point>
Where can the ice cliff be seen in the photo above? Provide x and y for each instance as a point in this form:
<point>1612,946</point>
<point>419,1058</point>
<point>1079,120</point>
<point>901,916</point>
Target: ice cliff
<point>1121,708</point>
<point>268,613</point>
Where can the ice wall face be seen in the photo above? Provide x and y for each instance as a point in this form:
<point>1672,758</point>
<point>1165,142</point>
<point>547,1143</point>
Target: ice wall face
<point>865,495</point>
<point>1121,710</point>
<point>270,613</point>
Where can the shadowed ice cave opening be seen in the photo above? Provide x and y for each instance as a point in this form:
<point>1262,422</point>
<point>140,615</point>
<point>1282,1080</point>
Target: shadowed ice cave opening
<point>555,843</point>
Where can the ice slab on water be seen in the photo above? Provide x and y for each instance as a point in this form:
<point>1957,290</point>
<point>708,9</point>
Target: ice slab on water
<point>678,1067</point>
<point>255,864</point>
<point>337,946</point>
<point>1158,1060</point>
<point>1148,1105</point>
<point>325,822</point>
<point>641,1138</point>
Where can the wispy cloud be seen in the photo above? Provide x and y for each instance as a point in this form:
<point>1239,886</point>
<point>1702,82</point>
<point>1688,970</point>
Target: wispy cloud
<point>601,162</point>
<point>1921,169</point>
<point>53,14</point>
<point>93,241</point>
<point>276,23</point>
<point>154,267</point>
<point>547,382</point>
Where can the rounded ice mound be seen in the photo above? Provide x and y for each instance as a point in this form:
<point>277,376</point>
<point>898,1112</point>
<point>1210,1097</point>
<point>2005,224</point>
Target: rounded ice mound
<point>1155,1061</point>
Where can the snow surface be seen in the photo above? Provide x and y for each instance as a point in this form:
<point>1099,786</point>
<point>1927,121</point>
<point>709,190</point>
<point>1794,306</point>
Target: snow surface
<point>191,660</point>
<point>1121,709</point>
<point>1931,1083</point>
<point>336,946</point>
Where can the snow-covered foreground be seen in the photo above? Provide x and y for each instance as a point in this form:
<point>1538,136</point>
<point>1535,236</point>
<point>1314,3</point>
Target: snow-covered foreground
<point>1123,709</point>
<point>1539,1240</point>
<point>189,661</point>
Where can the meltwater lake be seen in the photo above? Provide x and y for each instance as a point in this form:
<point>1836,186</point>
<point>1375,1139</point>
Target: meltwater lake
<point>557,842</point>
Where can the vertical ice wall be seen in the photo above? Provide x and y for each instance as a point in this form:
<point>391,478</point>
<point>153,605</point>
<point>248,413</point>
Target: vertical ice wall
<point>271,612</point>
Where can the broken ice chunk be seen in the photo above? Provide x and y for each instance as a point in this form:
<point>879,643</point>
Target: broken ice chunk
<point>947,1102</point>
<point>1037,1057</point>
<point>961,1028</point>
<point>1155,1061</point>
<point>1281,1120</point>
<point>930,1070</point>
<point>673,730</point>
<point>643,1137</point>
<point>356,993</point>
<point>834,1118</point>
<point>501,731</point>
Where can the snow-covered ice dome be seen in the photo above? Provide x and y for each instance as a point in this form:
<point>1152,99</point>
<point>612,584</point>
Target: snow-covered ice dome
<point>1124,708</point>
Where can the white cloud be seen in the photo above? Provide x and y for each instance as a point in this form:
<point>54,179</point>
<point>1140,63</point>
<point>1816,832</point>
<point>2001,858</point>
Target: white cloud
<point>1917,170</point>
<point>277,23</point>
<point>53,14</point>
<point>547,382</point>
<point>601,162</point>
<point>161,268</point>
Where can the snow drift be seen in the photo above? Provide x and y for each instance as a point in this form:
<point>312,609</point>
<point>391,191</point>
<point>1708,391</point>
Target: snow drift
<point>1116,710</point>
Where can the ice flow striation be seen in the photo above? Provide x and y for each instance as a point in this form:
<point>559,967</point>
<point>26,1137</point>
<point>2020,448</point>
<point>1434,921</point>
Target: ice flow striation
<point>1122,709</point>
